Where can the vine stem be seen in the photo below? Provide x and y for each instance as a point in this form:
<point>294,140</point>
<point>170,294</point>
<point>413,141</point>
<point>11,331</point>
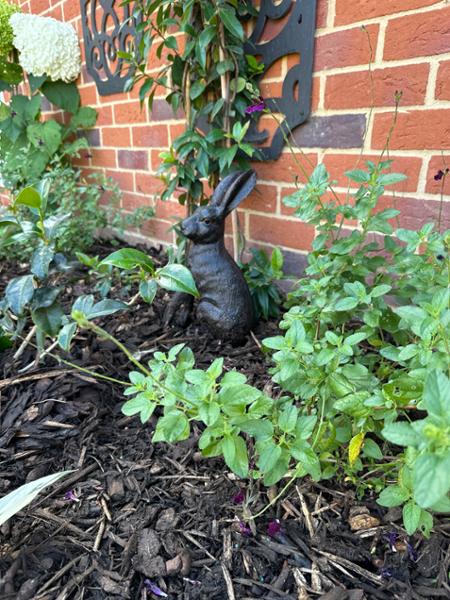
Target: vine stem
<point>277,497</point>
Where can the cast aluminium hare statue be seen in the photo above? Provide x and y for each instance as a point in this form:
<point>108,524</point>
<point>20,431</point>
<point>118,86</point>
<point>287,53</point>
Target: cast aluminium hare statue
<point>225,305</point>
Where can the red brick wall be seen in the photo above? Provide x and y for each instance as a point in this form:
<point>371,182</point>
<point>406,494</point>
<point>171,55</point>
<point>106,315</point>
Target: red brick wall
<point>352,114</point>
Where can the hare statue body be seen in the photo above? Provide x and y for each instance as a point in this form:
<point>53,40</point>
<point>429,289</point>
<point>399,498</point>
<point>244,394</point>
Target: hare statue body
<point>225,305</point>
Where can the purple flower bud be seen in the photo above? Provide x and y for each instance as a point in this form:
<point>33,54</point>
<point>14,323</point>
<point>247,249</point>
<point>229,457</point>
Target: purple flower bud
<point>244,529</point>
<point>257,107</point>
<point>239,497</point>
<point>274,528</point>
<point>439,175</point>
<point>411,552</point>
<point>13,113</point>
<point>386,573</point>
<point>391,538</point>
<point>70,496</point>
<point>154,589</point>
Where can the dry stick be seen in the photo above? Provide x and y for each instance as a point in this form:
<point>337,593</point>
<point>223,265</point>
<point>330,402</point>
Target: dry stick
<point>228,582</point>
<point>225,86</point>
<point>24,344</point>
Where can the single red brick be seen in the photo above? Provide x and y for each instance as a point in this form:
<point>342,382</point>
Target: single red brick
<point>39,6</point>
<point>71,10</point>
<point>262,199</point>
<point>130,112</point>
<point>287,168</point>
<point>88,95</point>
<point>104,115</point>
<point>159,230</point>
<point>280,232</point>
<point>414,213</point>
<point>345,48</point>
<point>364,88</point>
<point>414,130</point>
<point>443,81</point>
<point>170,210</point>
<point>423,34</point>
<point>148,184</point>
<point>117,137</point>
<point>433,186</point>
<point>338,164</point>
<point>351,12</point>
<point>151,136</point>
<point>103,158</point>
<point>124,179</point>
<point>133,159</point>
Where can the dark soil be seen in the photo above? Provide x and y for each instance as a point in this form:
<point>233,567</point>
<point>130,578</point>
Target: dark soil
<point>161,515</point>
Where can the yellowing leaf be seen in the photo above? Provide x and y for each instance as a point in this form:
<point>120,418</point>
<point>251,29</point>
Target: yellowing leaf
<point>354,448</point>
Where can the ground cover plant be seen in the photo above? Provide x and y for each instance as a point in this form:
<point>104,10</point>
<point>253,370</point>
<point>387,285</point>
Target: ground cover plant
<point>362,367</point>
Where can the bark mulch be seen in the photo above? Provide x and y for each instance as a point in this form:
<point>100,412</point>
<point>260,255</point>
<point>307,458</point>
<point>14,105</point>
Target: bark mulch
<point>160,517</point>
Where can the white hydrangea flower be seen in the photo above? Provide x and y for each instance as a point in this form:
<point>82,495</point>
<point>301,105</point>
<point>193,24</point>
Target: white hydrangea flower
<point>46,46</point>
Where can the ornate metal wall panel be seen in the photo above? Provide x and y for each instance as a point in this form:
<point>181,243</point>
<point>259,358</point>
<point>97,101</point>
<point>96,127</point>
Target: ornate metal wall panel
<point>296,38</point>
<point>108,28</point>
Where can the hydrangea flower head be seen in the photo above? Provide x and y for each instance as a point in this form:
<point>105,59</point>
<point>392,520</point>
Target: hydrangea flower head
<point>6,33</point>
<point>46,46</point>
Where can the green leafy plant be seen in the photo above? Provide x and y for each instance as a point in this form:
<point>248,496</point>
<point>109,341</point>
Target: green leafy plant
<point>364,356</point>
<point>31,294</point>
<point>207,76</point>
<point>261,272</point>
<point>139,269</point>
<point>6,33</point>
<point>29,145</point>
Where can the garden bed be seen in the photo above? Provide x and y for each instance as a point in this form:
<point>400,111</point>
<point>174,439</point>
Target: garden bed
<point>141,515</point>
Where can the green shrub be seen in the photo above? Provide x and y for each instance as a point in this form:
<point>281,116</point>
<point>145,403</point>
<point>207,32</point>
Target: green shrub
<point>6,33</point>
<point>363,364</point>
<point>261,272</point>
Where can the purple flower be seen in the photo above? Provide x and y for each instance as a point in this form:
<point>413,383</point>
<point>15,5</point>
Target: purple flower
<point>239,497</point>
<point>70,496</point>
<point>441,174</point>
<point>244,529</point>
<point>391,538</point>
<point>274,528</point>
<point>257,107</point>
<point>411,552</point>
<point>154,589</point>
<point>386,573</point>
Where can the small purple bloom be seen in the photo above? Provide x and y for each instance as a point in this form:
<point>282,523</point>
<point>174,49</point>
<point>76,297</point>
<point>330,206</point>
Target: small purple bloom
<point>411,552</point>
<point>274,528</point>
<point>87,155</point>
<point>257,107</point>
<point>244,529</point>
<point>13,113</point>
<point>154,589</point>
<point>391,538</point>
<point>441,174</point>
<point>239,497</point>
<point>386,573</point>
<point>70,496</point>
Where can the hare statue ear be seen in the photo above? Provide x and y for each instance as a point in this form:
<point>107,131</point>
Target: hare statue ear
<point>232,190</point>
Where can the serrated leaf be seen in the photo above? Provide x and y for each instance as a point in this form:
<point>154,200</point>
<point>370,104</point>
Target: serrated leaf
<point>393,495</point>
<point>411,517</point>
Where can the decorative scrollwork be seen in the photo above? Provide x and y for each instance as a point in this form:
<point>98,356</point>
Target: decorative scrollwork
<point>108,30</point>
<point>295,38</point>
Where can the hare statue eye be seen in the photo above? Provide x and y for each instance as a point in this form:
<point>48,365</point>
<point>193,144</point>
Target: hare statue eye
<point>205,220</point>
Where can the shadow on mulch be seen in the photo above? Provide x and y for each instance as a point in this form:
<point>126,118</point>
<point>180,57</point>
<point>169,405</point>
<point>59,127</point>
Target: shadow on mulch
<point>160,518</point>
